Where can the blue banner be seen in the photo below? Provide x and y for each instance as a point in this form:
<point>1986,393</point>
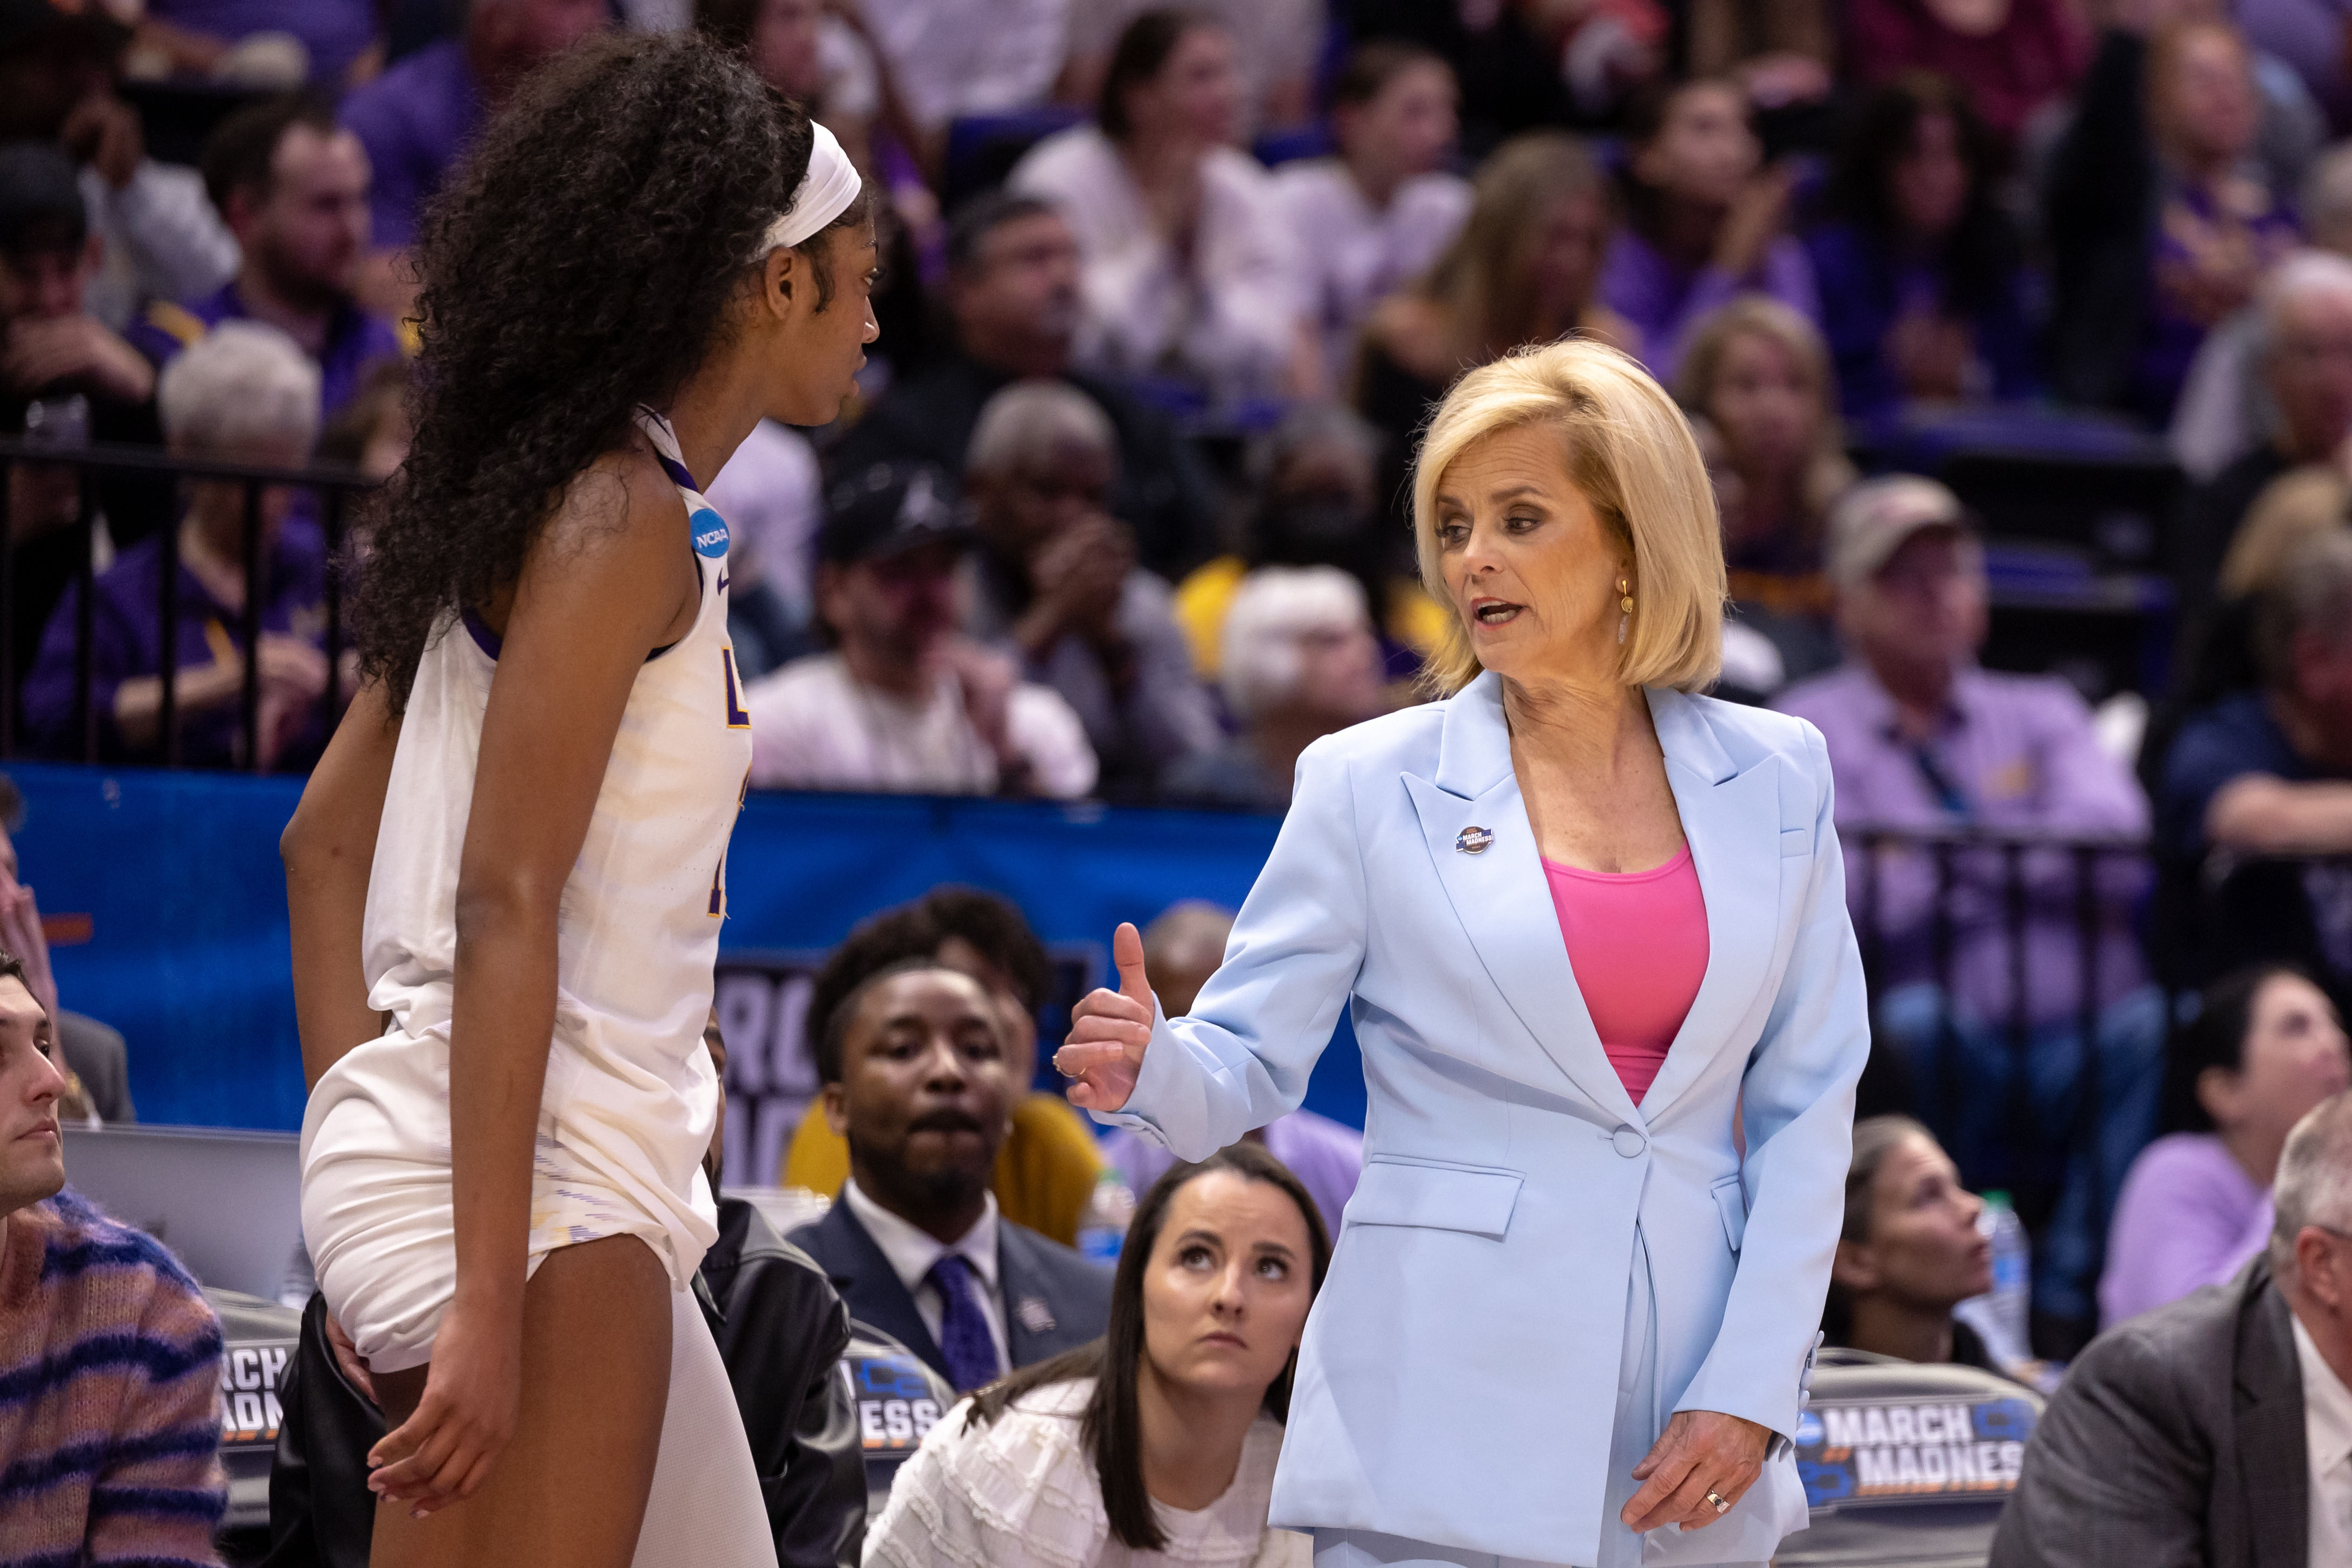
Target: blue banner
<point>167,906</point>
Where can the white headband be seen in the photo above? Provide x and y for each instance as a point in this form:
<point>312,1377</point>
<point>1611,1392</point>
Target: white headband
<point>823,193</point>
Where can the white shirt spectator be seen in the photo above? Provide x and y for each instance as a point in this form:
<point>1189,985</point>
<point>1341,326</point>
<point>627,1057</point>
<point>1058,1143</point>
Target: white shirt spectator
<point>969,57</point>
<point>1023,1493</point>
<point>163,239</point>
<point>771,493</point>
<point>2328,1448</point>
<point>813,726</point>
<point>1350,253</point>
<point>912,1253</point>
<point>1276,42</point>
<point>1228,319</point>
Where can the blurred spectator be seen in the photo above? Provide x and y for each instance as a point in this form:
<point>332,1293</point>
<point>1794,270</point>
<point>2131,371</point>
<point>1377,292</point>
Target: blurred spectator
<point>1783,51</point>
<point>1525,269</point>
<point>1181,948</point>
<point>770,494</point>
<point>2160,221</point>
<point>244,394</point>
<point>93,1056</point>
<point>420,114</point>
<point>813,55</point>
<point>1280,46</point>
<point>338,38</point>
<point>1921,272</point>
<point>1157,1442</point>
<point>371,432</point>
<point>1756,381</point>
<point>1314,484</point>
<point>2304,345</point>
<point>65,378</point>
<point>2216,1430</point>
<point>2307,37</point>
<point>1046,1170</point>
<point>160,237</point>
<point>2269,774</point>
<point>1055,581</point>
<point>110,1355</point>
<point>1909,1251</point>
<point>1300,661</point>
<point>904,702</point>
<point>955,57</point>
<point>2264,1047</point>
<point>914,1067</point>
<point>1921,738</point>
<point>2010,56</point>
<point>1012,289</point>
<point>2225,410</point>
<point>1703,221</point>
<point>1510,83</point>
<point>1187,267</point>
<point>293,185</point>
<point>1371,220</point>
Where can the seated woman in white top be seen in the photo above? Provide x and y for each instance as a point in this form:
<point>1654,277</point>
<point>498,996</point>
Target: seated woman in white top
<point>1156,1443</point>
<point>1371,220</point>
<point>1189,268</point>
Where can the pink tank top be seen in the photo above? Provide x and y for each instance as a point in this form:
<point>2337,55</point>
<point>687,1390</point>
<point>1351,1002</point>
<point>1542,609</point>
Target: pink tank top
<point>1637,940</point>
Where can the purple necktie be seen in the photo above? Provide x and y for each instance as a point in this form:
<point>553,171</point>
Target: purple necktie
<point>965,1343</point>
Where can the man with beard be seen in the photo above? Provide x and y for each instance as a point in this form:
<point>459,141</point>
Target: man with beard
<point>293,185</point>
<point>916,1079</point>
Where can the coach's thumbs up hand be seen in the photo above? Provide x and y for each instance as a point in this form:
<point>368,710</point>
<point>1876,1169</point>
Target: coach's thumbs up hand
<point>1109,1030</point>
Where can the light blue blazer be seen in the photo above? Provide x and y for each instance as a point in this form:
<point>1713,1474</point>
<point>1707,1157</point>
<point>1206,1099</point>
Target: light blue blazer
<point>1459,1377</point>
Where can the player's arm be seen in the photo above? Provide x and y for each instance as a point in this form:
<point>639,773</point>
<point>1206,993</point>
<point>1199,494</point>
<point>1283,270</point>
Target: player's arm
<point>328,847</point>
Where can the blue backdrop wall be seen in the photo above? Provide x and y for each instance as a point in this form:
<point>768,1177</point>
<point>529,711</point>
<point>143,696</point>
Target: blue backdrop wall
<point>175,881</point>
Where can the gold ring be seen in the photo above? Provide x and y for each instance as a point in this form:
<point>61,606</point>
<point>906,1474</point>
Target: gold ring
<point>1720,1506</point>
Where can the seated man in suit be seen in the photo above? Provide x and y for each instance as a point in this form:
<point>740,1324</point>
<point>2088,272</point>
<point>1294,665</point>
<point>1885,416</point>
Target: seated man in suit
<point>916,1077</point>
<point>2217,1430</point>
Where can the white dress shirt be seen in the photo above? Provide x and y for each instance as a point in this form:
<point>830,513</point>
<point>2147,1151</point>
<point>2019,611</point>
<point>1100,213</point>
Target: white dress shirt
<point>969,57</point>
<point>2328,1446</point>
<point>911,1253</point>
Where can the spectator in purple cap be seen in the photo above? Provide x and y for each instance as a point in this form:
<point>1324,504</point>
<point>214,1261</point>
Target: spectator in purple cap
<point>1921,739</point>
<point>294,187</point>
<point>418,118</point>
<point>244,394</point>
<point>903,700</point>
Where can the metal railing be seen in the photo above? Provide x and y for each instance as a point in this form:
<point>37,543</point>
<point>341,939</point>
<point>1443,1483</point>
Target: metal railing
<point>334,486</point>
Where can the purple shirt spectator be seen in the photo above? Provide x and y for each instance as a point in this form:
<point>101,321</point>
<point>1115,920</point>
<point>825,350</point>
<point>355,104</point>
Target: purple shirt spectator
<point>1328,1156</point>
<point>414,119</point>
<point>2189,1217</point>
<point>1865,288</point>
<point>2169,340</point>
<point>2016,752</point>
<point>354,342</point>
<point>127,641</point>
<point>334,32</point>
<point>1666,300</point>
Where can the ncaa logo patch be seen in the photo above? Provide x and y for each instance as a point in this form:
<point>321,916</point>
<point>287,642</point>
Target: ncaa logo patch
<point>710,531</point>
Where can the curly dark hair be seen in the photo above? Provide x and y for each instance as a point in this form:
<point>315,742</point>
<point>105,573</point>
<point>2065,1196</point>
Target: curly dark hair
<point>1984,250</point>
<point>581,262</point>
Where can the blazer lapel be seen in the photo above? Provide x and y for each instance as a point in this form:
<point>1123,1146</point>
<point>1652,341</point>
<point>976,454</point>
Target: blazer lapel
<point>2273,1459</point>
<point>1031,1332</point>
<point>1499,893</point>
<point>1732,821</point>
<point>870,1287</point>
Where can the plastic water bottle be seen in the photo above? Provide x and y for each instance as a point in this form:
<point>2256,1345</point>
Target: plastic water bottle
<point>1102,1228</point>
<point>2002,1317</point>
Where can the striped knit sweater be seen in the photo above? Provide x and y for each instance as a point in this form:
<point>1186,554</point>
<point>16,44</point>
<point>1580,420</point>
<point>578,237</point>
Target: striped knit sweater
<point>109,1396</point>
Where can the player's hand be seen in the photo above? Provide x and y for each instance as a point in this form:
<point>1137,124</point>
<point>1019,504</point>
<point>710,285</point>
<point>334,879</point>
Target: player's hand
<point>1109,1030</point>
<point>347,1357</point>
<point>442,1453</point>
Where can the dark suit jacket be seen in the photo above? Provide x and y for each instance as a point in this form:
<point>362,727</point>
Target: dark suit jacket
<point>2176,1442</point>
<point>1055,1300</point>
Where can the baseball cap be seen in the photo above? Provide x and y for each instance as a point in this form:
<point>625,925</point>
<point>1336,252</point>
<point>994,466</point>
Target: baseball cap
<point>887,509</point>
<point>1871,521</point>
<point>40,200</point>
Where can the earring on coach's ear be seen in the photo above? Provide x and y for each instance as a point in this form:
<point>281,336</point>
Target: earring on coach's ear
<point>1625,608</point>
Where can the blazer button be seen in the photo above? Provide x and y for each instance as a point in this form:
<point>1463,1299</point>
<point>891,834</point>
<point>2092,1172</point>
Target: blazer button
<point>1628,1142</point>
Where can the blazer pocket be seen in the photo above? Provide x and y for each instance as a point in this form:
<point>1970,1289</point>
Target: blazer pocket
<point>1795,841</point>
<point>1731,1202</point>
<point>1434,1197</point>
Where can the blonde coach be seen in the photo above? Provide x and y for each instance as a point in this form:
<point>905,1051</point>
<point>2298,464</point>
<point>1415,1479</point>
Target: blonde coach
<point>1587,923</point>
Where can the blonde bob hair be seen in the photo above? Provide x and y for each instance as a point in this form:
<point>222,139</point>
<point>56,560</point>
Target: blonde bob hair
<point>1629,451</point>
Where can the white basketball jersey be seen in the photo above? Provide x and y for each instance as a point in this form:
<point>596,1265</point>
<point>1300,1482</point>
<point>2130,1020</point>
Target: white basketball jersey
<point>631,1097</point>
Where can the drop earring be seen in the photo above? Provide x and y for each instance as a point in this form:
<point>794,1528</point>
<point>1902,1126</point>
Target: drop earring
<point>1624,609</point>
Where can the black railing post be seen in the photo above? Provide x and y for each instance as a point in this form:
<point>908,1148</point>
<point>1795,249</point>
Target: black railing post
<point>167,672</point>
<point>85,616</point>
<point>251,698</point>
